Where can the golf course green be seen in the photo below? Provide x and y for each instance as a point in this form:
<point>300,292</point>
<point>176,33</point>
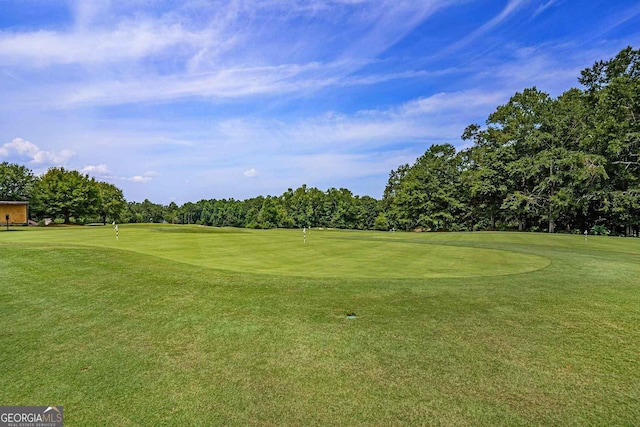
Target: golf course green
<point>321,253</point>
<point>189,325</point>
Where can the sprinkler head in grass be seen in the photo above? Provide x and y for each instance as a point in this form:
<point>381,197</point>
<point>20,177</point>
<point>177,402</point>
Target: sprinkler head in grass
<point>351,315</point>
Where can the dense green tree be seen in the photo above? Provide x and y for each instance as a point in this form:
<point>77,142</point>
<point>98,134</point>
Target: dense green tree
<point>16,182</point>
<point>189,213</point>
<point>145,211</point>
<point>171,213</point>
<point>66,193</point>
<point>517,130</point>
<point>613,102</point>
<point>111,202</point>
<point>304,205</point>
<point>484,176</point>
<point>533,146</point>
<point>267,216</point>
<point>428,195</point>
<point>339,209</point>
<point>389,206</point>
<point>381,222</point>
<point>368,211</point>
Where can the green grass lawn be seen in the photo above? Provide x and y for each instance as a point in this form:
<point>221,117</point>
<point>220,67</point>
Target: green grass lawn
<point>186,325</point>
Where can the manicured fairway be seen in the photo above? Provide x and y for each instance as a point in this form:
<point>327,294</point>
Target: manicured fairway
<point>324,253</point>
<point>186,325</point>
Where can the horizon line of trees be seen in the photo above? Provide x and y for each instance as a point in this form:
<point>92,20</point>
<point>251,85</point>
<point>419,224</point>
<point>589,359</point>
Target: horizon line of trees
<point>569,164</point>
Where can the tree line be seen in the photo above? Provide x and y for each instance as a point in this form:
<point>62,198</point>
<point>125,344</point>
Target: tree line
<point>302,207</point>
<point>568,163</point>
<point>540,163</point>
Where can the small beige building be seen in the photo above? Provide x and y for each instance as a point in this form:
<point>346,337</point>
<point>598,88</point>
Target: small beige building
<point>17,212</point>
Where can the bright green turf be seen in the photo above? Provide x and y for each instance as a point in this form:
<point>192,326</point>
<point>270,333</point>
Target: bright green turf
<point>183,325</point>
<point>325,253</point>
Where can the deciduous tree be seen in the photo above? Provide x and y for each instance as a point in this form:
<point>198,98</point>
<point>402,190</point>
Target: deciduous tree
<point>66,193</point>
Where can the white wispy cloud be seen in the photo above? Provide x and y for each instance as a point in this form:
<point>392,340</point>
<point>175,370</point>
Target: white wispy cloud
<point>436,117</point>
<point>251,173</point>
<point>228,84</point>
<point>544,7</point>
<point>101,170</point>
<point>20,149</point>
<point>146,177</point>
<point>127,41</point>
<point>615,20</point>
<point>510,8</point>
<point>389,23</point>
<point>460,102</point>
<point>232,53</point>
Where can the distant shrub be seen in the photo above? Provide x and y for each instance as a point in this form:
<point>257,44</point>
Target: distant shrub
<point>599,230</point>
<point>381,222</point>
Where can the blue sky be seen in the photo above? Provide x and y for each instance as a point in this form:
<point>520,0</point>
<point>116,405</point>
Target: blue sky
<point>188,100</point>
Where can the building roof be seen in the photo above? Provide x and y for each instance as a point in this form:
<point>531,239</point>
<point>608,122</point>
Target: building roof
<point>12,202</point>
